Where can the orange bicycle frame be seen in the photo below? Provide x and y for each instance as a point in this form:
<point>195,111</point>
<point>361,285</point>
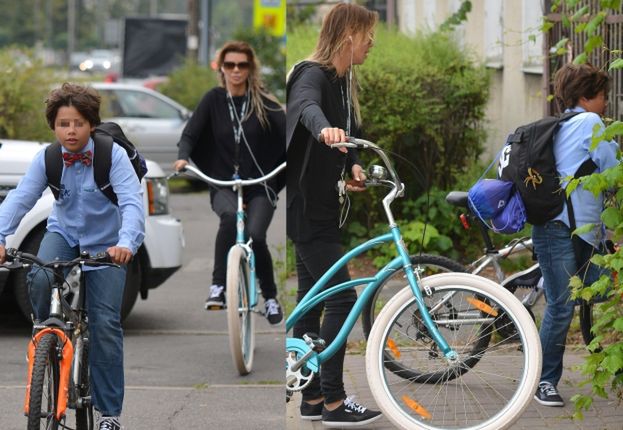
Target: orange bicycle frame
<point>65,369</point>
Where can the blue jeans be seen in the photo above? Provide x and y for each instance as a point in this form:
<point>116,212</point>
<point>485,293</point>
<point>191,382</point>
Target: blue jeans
<point>104,294</point>
<point>554,250</point>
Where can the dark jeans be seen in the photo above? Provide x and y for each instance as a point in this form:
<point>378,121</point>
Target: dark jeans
<point>259,213</point>
<point>554,249</point>
<point>313,259</point>
<point>104,294</point>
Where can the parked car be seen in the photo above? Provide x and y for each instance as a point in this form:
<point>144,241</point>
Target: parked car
<point>158,258</point>
<point>152,121</point>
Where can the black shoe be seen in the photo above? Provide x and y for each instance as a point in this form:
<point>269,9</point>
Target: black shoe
<point>108,423</point>
<point>547,395</point>
<point>273,311</point>
<point>349,414</point>
<point>216,300</point>
<point>311,412</point>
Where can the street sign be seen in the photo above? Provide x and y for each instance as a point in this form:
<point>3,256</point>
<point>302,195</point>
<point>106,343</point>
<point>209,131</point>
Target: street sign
<point>270,15</point>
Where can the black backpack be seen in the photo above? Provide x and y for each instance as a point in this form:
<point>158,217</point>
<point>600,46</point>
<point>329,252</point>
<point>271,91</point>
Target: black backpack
<point>103,138</point>
<point>528,161</point>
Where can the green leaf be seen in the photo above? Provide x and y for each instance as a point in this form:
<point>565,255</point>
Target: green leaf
<point>614,129</point>
<point>618,324</point>
<point>581,12</point>
<point>616,64</point>
<point>565,21</point>
<point>611,217</point>
<point>532,38</point>
<point>584,229</point>
<point>581,59</point>
<point>593,24</point>
<point>593,42</point>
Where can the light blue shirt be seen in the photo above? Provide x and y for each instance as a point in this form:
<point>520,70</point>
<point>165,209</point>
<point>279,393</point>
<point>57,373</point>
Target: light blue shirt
<point>571,148</point>
<point>83,215</point>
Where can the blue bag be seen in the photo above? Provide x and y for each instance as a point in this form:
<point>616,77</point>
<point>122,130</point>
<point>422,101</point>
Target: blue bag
<point>512,218</point>
<point>488,197</point>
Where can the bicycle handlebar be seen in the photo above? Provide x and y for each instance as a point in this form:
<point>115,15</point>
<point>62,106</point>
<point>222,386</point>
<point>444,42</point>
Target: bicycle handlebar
<point>234,182</point>
<point>14,256</point>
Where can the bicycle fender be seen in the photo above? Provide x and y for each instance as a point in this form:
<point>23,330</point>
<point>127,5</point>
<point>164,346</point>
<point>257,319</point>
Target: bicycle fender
<point>301,348</point>
<point>65,368</point>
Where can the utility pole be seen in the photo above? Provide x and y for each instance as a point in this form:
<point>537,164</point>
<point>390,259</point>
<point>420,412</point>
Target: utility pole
<point>193,30</point>
<point>71,30</point>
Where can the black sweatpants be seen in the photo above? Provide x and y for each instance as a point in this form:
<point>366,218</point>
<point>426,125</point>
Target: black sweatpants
<point>313,259</point>
<point>259,213</point>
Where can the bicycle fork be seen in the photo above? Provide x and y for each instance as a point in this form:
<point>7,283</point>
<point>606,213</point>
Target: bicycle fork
<point>67,353</point>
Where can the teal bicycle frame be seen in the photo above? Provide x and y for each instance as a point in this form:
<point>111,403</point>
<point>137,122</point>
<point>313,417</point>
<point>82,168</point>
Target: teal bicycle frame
<point>318,293</point>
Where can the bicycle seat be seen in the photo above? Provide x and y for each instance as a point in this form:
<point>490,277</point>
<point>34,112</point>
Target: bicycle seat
<point>528,278</point>
<point>457,198</point>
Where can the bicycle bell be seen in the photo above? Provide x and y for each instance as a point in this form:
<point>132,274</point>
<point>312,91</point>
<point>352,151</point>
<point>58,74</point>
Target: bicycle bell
<point>377,172</point>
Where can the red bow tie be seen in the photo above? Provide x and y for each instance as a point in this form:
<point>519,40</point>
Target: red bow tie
<point>71,157</point>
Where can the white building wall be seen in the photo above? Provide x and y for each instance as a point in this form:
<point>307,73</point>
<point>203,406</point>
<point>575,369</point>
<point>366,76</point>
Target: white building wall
<point>497,31</point>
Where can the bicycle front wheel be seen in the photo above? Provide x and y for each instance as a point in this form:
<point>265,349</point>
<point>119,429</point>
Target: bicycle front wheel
<point>84,408</point>
<point>44,385</point>
<point>240,315</point>
<point>488,396</point>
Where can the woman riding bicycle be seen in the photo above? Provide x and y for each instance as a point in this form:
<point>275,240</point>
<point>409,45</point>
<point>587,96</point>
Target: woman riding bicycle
<point>84,219</point>
<point>238,129</point>
<point>323,109</point>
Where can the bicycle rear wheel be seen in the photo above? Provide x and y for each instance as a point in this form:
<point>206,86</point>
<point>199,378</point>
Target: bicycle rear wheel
<point>240,315</point>
<point>427,265</point>
<point>44,385</point>
<point>490,395</point>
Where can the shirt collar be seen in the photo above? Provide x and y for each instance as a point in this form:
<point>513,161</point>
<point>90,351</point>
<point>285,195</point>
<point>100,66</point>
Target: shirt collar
<point>576,109</point>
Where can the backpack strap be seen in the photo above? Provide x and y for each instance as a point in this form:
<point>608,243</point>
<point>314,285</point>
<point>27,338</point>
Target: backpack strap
<point>102,163</point>
<point>54,167</point>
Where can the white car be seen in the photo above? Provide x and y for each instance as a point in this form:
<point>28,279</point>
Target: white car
<point>151,121</point>
<point>159,256</point>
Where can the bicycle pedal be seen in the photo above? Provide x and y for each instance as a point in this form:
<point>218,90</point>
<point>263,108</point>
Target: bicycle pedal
<point>314,342</point>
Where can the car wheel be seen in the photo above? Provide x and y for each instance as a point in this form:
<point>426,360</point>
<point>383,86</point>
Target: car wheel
<point>132,286</point>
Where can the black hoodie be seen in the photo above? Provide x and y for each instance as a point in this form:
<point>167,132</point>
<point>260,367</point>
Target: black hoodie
<point>315,100</point>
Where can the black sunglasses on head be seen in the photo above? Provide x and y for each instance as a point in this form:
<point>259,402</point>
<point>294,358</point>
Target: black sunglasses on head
<point>230,65</point>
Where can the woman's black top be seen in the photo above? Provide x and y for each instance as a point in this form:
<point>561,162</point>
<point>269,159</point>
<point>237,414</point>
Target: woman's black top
<point>208,140</point>
<point>316,98</point>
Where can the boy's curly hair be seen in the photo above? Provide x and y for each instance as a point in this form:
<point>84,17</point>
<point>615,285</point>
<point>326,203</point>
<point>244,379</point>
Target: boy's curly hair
<point>85,99</point>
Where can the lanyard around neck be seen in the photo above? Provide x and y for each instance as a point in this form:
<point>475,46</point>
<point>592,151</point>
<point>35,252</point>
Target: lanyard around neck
<point>236,122</point>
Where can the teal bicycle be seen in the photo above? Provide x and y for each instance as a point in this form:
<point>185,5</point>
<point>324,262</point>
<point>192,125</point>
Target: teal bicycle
<point>241,285</point>
<point>473,345</point>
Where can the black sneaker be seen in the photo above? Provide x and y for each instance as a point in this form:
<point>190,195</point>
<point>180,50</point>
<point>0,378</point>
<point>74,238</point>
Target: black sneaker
<point>311,412</point>
<point>273,311</point>
<point>216,299</point>
<point>547,395</point>
<point>108,423</point>
<point>349,414</point>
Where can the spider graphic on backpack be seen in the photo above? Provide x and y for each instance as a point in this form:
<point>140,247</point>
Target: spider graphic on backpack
<point>533,178</point>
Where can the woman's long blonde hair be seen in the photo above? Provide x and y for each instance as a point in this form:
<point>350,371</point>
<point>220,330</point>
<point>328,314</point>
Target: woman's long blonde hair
<point>343,20</point>
<point>255,86</point>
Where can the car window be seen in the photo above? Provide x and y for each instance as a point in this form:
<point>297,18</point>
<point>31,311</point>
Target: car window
<point>110,106</point>
<point>137,104</point>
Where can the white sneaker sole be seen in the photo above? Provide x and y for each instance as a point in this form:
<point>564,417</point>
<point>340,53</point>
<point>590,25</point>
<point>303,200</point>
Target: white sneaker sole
<point>342,424</point>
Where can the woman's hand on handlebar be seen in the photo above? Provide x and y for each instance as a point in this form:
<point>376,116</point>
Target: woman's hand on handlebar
<point>180,164</point>
<point>331,135</point>
<point>119,254</point>
<point>359,178</point>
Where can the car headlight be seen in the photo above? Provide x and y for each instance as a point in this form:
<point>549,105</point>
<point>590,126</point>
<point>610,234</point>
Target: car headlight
<point>157,196</point>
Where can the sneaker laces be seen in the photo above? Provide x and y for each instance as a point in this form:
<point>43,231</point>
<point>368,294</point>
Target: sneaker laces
<point>272,307</point>
<point>350,403</point>
<point>216,290</point>
<point>548,389</point>
<point>108,423</point>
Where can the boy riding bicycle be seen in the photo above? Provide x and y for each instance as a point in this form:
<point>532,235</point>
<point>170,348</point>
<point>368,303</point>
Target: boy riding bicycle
<point>84,219</point>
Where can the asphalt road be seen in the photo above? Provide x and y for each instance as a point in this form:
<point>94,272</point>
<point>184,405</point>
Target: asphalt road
<point>179,373</point>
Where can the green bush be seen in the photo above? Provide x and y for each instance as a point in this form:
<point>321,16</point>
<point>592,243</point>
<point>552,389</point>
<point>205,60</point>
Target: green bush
<point>189,83</point>
<point>24,85</point>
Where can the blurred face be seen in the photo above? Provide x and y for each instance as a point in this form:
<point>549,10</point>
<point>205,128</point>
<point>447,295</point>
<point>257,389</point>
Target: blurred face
<point>236,68</point>
<point>597,104</point>
<point>71,129</point>
<point>362,42</point>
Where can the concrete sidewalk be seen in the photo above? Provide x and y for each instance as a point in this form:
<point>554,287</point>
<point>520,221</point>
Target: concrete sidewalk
<point>604,415</point>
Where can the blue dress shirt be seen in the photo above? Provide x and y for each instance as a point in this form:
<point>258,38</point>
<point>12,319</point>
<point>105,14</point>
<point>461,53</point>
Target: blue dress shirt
<point>83,215</point>
<point>571,148</point>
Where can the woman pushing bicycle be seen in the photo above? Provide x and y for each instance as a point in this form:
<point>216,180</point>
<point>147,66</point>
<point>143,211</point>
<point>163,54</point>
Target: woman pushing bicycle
<point>238,131</point>
<point>84,219</point>
<point>323,109</point>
